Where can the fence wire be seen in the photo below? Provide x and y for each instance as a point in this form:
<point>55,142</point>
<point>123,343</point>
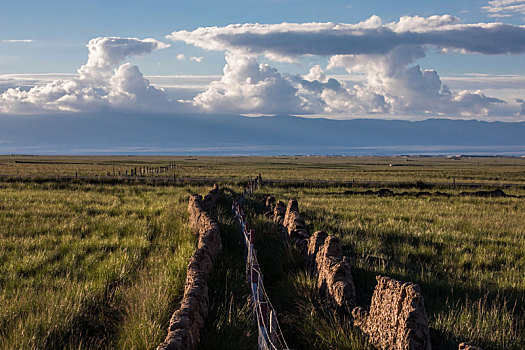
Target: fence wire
<point>270,334</point>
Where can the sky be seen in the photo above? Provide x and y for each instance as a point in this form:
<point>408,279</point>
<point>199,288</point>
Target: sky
<point>335,59</point>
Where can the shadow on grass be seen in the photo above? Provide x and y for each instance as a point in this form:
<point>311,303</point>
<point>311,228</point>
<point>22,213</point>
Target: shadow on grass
<point>452,305</point>
<point>230,323</point>
<point>305,321</point>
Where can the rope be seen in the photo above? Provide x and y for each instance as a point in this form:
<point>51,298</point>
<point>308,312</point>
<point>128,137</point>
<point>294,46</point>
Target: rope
<point>270,333</point>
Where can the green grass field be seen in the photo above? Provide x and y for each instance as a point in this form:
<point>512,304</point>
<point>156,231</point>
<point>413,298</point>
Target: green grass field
<point>85,266</point>
<point>411,169</point>
<point>467,254</point>
<point>94,265</point>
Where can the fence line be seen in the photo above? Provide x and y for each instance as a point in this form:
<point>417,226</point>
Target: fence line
<point>275,182</point>
<point>269,331</point>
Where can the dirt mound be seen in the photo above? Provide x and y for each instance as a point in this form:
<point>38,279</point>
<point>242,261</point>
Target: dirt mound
<point>334,275</point>
<point>397,318</point>
<point>295,226</point>
<point>324,256</point>
<point>210,200</point>
<point>385,192</point>
<point>468,346</point>
<point>314,243</point>
<point>489,194</point>
<point>279,213</point>
<point>269,206</point>
<point>187,321</point>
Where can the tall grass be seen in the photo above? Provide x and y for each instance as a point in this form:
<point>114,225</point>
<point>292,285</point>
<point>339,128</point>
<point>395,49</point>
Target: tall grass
<point>491,324</point>
<point>454,248</point>
<point>231,323</point>
<point>427,169</point>
<point>90,266</point>
<point>307,322</point>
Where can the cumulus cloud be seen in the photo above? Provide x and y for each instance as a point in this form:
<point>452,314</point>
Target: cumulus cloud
<point>406,88</point>
<point>505,8</point>
<point>287,41</point>
<point>106,53</point>
<point>316,73</point>
<point>384,52</point>
<point>101,82</point>
<point>383,55</point>
<point>129,85</point>
<point>250,87</point>
<point>522,103</point>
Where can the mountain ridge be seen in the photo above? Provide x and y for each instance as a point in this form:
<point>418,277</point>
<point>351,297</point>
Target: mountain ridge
<point>110,133</point>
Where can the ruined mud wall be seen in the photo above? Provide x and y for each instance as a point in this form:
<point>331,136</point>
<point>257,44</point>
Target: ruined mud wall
<point>397,318</point>
<point>322,252</point>
<point>187,321</point>
<point>333,270</point>
<point>210,200</point>
<point>468,346</point>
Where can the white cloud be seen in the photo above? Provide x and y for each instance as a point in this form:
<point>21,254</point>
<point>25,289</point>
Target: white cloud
<point>17,40</point>
<point>288,41</point>
<point>505,8</point>
<point>106,53</point>
<point>405,88</point>
<point>129,88</point>
<point>250,87</point>
<point>522,104</point>
<point>316,73</point>
<point>196,59</point>
<point>384,53</point>
<point>101,83</point>
<point>380,58</point>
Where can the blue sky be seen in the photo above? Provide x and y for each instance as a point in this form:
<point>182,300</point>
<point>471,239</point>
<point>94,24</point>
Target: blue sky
<point>60,29</point>
<point>38,37</point>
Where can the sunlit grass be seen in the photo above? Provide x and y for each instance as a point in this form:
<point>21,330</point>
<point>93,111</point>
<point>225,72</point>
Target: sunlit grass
<point>88,266</point>
<point>103,266</point>
<point>457,249</point>
<point>412,169</point>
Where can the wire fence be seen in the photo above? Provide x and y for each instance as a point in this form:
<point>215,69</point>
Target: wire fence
<point>270,334</point>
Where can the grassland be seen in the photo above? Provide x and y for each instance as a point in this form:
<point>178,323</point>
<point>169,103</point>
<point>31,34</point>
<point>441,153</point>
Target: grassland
<point>467,254</point>
<point>408,169</point>
<point>86,266</point>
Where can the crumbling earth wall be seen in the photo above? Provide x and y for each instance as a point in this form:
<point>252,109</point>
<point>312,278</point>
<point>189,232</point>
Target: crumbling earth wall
<point>323,253</point>
<point>279,213</point>
<point>397,319</point>
<point>187,321</point>
<point>334,276</point>
<point>468,346</point>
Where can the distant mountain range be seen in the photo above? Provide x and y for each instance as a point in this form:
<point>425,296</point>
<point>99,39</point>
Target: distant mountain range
<point>238,135</point>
